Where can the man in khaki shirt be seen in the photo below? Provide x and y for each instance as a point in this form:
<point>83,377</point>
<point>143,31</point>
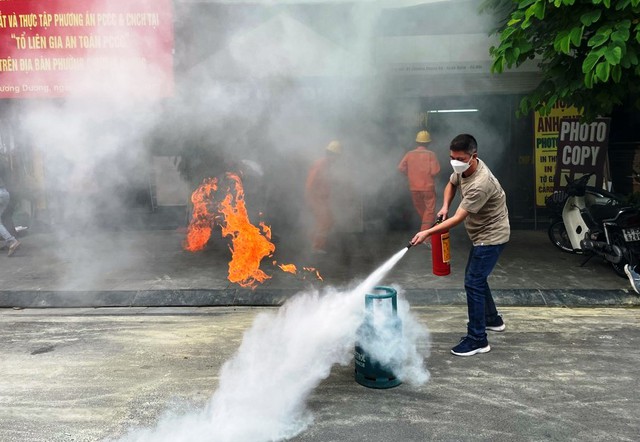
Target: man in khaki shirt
<point>484,211</point>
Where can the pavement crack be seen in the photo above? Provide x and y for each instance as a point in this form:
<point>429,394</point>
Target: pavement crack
<point>45,349</point>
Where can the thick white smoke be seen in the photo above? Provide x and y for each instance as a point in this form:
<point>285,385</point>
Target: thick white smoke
<point>92,158</point>
<point>283,357</point>
<point>395,340</point>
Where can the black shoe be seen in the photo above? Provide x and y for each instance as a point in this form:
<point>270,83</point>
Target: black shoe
<point>496,325</point>
<point>469,347</point>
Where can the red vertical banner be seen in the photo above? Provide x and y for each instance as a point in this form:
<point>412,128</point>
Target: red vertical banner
<point>60,48</point>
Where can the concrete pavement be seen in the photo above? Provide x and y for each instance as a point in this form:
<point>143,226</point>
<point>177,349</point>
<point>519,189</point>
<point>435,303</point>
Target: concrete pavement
<point>569,374</point>
<point>149,268</point>
<point>139,328</point>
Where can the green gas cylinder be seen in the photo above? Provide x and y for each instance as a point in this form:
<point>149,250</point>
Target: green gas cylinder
<point>369,372</point>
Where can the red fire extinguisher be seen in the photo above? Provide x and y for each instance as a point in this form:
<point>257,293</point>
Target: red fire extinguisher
<point>440,252</point>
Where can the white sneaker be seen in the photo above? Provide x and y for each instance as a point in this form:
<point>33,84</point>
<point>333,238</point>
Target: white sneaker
<point>634,278</point>
<point>497,325</point>
<point>13,247</point>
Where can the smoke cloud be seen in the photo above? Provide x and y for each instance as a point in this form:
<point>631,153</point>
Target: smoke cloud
<point>284,355</point>
<point>260,88</point>
<point>276,108</point>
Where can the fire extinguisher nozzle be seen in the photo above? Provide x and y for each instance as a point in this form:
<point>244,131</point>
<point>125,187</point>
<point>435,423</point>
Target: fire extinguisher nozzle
<point>409,245</point>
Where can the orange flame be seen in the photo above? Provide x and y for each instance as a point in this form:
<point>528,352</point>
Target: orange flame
<point>290,268</point>
<point>266,229</point>
<point>313,270</point>
<point>249,245</point>
<point>202,220</point>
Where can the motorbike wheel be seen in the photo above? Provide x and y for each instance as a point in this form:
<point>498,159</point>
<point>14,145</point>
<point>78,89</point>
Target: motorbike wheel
<point>558,236</point>
<point>618,240</point>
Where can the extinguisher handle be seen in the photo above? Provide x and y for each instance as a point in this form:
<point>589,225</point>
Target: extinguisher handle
<point>438,220</point>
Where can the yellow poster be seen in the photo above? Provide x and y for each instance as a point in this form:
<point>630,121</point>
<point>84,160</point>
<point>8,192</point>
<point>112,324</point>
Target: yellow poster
<point>545,147</point>
<point>446,250</point>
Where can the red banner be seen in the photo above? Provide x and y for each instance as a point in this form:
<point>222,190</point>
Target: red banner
<point>62,48</point>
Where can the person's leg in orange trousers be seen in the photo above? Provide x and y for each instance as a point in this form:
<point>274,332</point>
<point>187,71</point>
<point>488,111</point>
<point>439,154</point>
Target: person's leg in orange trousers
<point>425,203</point>
<point>323,223</point>
<point>429,214</point>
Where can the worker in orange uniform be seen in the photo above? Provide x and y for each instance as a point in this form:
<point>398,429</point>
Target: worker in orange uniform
<point>318,195</point>
<point>420,166</point>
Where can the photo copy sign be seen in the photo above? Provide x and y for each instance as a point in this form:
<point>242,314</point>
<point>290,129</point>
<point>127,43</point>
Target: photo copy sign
<point>582,149</point>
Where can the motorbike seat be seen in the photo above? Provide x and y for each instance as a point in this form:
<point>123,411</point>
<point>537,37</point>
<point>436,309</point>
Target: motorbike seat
<point>600,212</point>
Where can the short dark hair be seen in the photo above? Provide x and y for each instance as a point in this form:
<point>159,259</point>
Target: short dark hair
<point>464,143</point>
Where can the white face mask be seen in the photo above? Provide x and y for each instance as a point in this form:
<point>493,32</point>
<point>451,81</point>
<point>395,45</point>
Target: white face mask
<point>460,166</point>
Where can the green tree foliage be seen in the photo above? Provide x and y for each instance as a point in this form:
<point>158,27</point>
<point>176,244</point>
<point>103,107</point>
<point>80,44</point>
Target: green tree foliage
<point>588,51</point>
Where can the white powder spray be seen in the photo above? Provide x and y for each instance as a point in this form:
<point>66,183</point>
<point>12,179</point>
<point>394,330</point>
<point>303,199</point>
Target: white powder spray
<point>283,357</point>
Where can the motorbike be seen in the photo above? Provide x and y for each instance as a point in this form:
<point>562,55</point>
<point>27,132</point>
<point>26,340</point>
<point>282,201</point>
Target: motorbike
<point>589,221</point>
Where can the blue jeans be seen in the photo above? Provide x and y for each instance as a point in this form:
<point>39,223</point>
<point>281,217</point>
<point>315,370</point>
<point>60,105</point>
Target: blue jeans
<point>4,202</point>
<point>482,308</point>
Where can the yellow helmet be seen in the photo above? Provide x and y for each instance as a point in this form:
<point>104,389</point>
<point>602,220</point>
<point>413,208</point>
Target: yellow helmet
<point>423,137</point>
<point>334,147</point>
